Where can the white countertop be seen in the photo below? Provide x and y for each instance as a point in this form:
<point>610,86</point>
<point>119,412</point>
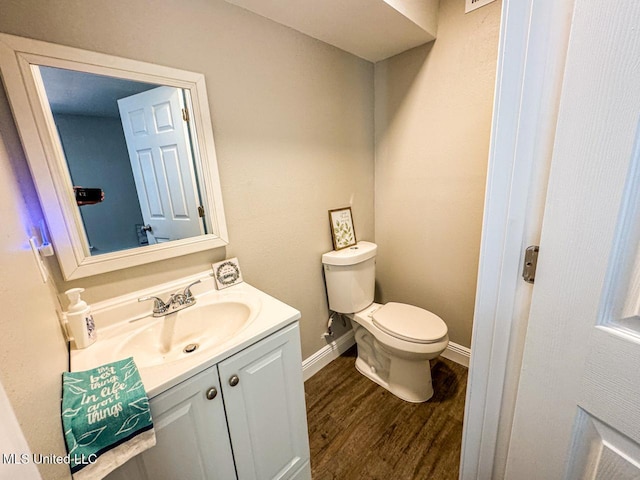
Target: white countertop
<point>118,319</point>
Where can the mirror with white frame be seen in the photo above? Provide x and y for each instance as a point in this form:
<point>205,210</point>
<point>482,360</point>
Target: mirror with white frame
<point>135,135</point>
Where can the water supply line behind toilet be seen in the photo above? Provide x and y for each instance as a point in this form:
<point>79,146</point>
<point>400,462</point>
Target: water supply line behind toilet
<point>330,332</point>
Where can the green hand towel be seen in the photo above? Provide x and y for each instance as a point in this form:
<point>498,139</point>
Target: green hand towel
<point>106,418</point>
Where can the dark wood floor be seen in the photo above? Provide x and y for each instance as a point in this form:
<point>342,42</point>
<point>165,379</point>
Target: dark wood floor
<point>360,431</point>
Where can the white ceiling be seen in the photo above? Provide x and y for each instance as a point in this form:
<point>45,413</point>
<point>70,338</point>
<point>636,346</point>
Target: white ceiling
<point>371,29</point>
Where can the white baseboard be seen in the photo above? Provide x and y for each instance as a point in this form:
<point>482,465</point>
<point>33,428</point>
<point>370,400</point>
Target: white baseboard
<point>457,353</point>
<point>328,353</point>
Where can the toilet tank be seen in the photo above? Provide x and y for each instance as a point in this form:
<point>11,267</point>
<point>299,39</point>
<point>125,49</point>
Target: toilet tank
<point>350,276</point>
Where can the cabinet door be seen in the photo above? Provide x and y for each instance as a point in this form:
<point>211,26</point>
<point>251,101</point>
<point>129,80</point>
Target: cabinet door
<point>191,434</point>
<point>266,410</point>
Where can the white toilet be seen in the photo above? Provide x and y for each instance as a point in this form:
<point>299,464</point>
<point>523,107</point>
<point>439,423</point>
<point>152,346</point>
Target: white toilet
<point>395,341</point>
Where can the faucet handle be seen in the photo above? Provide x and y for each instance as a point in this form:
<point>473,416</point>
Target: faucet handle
<point>158,305</point>
<point>187,292</point>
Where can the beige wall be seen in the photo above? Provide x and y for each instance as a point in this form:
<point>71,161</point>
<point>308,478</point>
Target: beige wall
<point>293,126</point>
<point>433,107</point>
<point>33,352</point>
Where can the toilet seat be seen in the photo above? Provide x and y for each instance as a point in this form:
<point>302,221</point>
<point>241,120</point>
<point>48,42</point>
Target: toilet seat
<point>410,323</point>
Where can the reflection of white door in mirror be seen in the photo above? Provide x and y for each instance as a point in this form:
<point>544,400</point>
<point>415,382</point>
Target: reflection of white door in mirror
<point>21,60</point>
<point>160,153</point>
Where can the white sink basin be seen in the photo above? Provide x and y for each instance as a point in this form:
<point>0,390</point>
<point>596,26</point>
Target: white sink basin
<point>222,323</point>
<point>196,329</point>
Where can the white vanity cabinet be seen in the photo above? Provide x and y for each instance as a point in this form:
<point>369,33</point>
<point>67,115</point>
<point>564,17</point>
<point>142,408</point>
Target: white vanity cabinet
<point>191,435</point>
<point>243,418</point>
<point>263,394</point>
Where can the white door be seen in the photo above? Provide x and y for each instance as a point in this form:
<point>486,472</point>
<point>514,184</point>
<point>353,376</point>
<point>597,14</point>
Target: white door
<point>264,400</point>
<point>161,158</point>
<point>578,407</point>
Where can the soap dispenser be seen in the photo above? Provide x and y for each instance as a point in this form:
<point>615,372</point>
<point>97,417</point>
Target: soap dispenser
<point>79,319</point>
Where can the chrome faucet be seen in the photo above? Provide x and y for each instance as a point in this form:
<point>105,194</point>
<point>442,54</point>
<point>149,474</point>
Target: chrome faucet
<point>177,301</point>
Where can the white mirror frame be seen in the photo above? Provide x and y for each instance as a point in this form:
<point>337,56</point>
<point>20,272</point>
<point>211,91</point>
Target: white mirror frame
<point>19,58</point>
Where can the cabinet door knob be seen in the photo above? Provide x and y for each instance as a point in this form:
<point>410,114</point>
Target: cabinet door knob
<point>234,380</point>
<point>212,393</point>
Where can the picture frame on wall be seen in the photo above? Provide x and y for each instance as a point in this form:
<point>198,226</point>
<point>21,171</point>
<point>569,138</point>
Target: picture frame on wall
<point>343,234</point>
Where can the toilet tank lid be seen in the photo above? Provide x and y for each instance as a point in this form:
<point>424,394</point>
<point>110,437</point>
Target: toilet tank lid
<point>352,255</point>
<point>410,323</point>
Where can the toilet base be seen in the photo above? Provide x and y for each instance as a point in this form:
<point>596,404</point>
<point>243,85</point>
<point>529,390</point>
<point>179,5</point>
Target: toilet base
<point>407,377</point>
<point>422,394</point>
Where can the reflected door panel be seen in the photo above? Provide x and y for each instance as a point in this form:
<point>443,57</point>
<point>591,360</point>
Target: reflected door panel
<point>158,142</point>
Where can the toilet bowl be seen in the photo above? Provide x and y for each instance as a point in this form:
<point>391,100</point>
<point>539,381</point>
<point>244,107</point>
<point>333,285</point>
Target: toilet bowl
<point>395,341</point>
<point>393,359</point>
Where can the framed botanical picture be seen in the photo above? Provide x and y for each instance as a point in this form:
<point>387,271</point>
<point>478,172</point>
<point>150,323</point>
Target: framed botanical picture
<point>342,232</point>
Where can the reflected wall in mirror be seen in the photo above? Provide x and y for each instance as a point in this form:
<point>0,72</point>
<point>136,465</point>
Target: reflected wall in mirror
<point>137,133</point>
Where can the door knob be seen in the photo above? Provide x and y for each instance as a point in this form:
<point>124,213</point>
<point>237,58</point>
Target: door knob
<point>146,228</point>
<point>234,380</point>
<point>212,393</point>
